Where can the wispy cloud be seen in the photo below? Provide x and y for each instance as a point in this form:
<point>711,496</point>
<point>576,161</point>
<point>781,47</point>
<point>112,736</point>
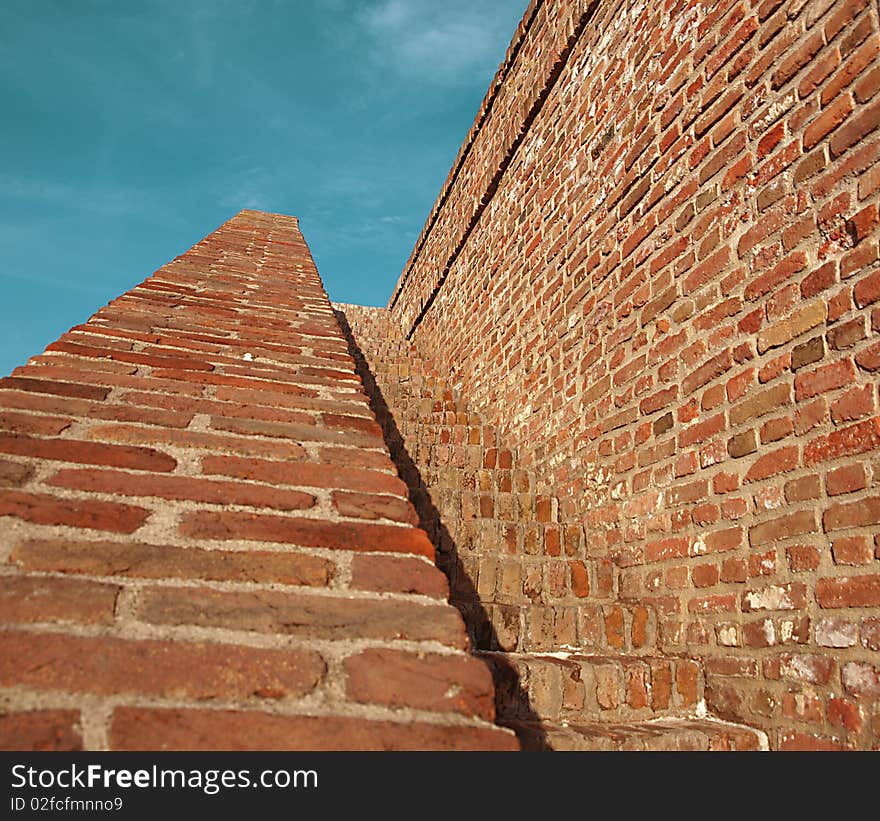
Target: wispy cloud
<point>439,42</point>
<point>104,199</point>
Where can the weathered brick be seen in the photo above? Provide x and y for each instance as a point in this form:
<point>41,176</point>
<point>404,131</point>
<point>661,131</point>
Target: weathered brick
<point>141,728</point>
<point>426,681</point>
<point>305,474</point>
<point>43,509</point>
<point>326,617</point>
<point>305,532</point>
<point>92,453</point>
<point>175,488</point>
<point>848,591</point>
<point>397,574</point>
<point>47,599</point>
<point>107,666</point>
<point>149,561</point>
<point>40,730</point>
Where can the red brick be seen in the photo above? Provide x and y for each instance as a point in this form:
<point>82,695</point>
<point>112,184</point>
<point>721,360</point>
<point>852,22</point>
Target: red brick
<point>298,433</point>
<point>778,461</point>
<point>137,728</point>
<point>826,378</point>
<point>316,617</point>
<point>72,450</point>
<point>795,740</point>
<point>783,527</point>
<point>852,514</point>
<point>852,550</point>
<point>861,680</point>
<point>829,120</point>
<point>42,509</point>
<point>158,562</point>
<point>47,386</point>
<point>846,479</point>
<point>848,591</point>
<point>424,681</point>
<point>14,474</point>
<point>867,290</point>
<point>398,574</point>
<point>108,666</point>
<point>854,439</point>
<point>802,557</point>
<point>196,439</point>
<point>306,532</point>
<point>305,474</point>
<point>182,487</point>
<point>40,730</point>
<point>371,506</point>
<point>27,599</point>
<point>789,596</point>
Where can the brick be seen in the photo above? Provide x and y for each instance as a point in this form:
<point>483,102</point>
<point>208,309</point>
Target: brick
<point>857,403</point>
<point>823,379</point>
<point>53,388</point>
<point>867,290</point>
<point>425,681</point>
<point>71,450</point>
<point>789,596</point>
<point>761,403</point>
<point>371,506</point>
<point>794,740</point>
<point>43,509</point>
<point>841,515</point>
<point>40,730</point>
<point>848,591</point>
<point>779,461</point>
<point>305,532</point>
<point>182,488</point>
<point>26,599</point>
<point>109,666</point>
<point>865,120</point>
<point>298,433</point>
<point>858,438</point>
<point>846,479</point>
<point>304,474</point>
<point>852,550</point>
<point>783,527</point>
<point>398,574</point>
<point>141,728</point>
<point>14,474</point>
<point>196,439</point>
<point>828,121</point>
<point>861,680</point>
<point>870,634</point>
<point>147,561</point>
<point>317,617</point>
<point>802,557</point>
<point>804,667</point>
<point>807,353</point>
<point>869,359</point>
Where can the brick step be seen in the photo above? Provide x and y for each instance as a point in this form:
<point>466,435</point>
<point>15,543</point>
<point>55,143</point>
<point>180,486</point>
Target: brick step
<point>593,688</point>
<point>668,734</point>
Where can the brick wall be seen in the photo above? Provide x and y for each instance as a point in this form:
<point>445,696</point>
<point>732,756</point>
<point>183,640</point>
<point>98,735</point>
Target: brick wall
<point>203,540</point>
<point>654,269</point>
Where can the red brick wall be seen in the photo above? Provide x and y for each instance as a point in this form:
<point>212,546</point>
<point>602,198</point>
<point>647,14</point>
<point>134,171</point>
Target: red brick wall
<point>654,266</point>
<point>203,540</point>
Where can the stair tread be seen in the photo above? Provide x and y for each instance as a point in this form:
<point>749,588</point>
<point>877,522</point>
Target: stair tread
<point>694,734</point>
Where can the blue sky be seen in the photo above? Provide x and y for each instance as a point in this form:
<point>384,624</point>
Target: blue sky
<point>129,130</point>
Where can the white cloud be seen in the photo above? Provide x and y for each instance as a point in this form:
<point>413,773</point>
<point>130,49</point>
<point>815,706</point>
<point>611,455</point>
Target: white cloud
<point>446,43</point>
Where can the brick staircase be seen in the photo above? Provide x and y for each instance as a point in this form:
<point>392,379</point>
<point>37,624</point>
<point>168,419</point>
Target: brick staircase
<point>576,665</point>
